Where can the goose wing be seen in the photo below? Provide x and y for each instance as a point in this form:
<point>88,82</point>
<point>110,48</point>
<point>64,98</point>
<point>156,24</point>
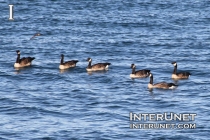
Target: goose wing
<point>171,85</point>
<point>161,85</point>
<point>100,65</point>
<point>165,85</point>
<point>183,74</point>
<point>26,60</point>
<point>71,63</point>
<point>142,72</point>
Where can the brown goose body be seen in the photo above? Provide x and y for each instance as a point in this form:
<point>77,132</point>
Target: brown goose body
<point>23,62</point>
<point>162,85</point>
<point>140,73</point>
<point>181,75</point>
<point>68,64</point>
<point>97,67</point>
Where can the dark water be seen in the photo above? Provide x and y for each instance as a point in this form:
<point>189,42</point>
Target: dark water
<point>40,102</point>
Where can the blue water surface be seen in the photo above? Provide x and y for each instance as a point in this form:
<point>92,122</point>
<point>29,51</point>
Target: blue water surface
<point>42,102</point>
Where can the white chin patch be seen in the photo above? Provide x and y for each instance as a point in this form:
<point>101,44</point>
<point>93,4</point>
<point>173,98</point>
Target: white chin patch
<point>18,52</point>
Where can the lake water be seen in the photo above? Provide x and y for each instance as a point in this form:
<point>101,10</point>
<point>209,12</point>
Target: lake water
<point>41,102</point>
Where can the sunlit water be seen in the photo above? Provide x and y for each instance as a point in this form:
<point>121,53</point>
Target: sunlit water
<point>42,102</point>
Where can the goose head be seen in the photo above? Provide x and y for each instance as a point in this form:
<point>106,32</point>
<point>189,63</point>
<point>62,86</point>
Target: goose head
<point>174,63</point>
<point>18,52</point>
<point>89,59</point>
<point>133,66</point>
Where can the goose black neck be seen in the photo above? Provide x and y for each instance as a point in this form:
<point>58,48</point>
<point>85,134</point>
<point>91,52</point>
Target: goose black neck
<point>151,80</point>
<point>18,58</point>
<point>62,60</point>
<point>89,64</point>
<point>175,68</point>
<point>133,70</point>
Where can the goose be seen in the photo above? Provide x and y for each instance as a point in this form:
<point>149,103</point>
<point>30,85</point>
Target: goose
<point>68,64</point>
<point>97,67</point>
<point>36,34</point>
<point>181,75</point>
<point>140,73</point>
<point>162,85</point>
<point>23,62</point>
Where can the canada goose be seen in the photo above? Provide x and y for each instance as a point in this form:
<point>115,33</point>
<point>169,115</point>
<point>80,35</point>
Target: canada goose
<point>140,73</point>
<point>97,67</point>
<point>25,61</point>
<point>162,85</point>
<point>181,75</point>
<point>68,64</point>
<point>36,34</point>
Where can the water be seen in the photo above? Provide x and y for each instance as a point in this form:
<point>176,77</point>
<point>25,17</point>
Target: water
<point>40,102</point>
